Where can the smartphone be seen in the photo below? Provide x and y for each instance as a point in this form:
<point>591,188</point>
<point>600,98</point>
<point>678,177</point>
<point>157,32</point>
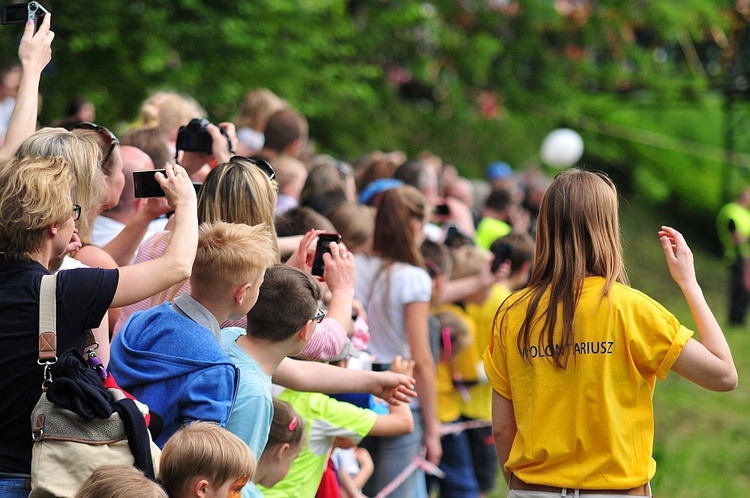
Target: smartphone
<point>19,13</point>
<point>502,254</point>
<point>145,184</point>
<point>324,241</point>
<point>442,210</point>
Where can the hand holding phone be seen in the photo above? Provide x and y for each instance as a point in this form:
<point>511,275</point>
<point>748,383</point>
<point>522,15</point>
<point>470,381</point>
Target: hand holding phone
<point>323,246</point>
<point>502,254</point>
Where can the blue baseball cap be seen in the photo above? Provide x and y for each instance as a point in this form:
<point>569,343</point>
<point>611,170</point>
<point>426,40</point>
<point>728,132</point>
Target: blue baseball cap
<point>377,186</point>
<point>498,170</point>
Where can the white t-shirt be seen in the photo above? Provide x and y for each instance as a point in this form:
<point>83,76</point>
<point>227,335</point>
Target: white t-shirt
<point>384,294</point>
<point>6,111</point>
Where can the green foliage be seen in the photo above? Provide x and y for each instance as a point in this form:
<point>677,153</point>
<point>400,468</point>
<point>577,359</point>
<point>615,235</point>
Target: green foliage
<point>471,80</point>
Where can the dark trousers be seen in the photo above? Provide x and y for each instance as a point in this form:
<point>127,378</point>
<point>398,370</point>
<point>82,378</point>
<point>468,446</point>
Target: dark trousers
<point>739,297</point>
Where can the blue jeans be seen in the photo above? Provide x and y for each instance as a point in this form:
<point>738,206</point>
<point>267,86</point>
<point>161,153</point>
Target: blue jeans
<point>460,480</point>
<point>391,455</point>
<point>13,487</point>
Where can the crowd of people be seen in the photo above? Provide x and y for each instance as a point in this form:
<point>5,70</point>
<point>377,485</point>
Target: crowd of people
<point>404,370</point>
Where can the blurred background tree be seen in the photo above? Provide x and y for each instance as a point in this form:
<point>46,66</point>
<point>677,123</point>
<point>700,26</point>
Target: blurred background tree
<point>471,80</point>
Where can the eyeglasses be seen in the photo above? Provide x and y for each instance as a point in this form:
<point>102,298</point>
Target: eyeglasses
<point>261,164</point>
<point>319,316</point>
<point>85,125</point>
<point>76,212</point>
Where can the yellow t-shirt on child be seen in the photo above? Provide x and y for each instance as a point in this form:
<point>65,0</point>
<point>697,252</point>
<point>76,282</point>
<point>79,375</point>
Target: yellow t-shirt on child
<point>479,405</point>
<point>590,425</point>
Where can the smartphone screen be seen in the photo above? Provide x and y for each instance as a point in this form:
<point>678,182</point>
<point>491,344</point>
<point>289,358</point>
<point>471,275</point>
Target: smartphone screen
<point>145,184</point>
<point>324,241</point>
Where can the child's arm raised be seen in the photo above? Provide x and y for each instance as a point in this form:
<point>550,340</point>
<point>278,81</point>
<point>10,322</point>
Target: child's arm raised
<point>399,420</point>
<point>319,377</point>
<point>709,362</point>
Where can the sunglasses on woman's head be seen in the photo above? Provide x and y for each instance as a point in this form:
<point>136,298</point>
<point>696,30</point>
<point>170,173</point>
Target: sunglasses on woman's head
<point>261,164</point>
<point>113,141</point>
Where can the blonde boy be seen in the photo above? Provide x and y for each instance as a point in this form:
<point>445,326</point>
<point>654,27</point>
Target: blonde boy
<point>203,460</point>
<point>169,356</point>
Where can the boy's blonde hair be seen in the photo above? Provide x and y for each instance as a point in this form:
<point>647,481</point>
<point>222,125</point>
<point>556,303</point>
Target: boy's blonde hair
<point>203,449</point>
<point>119,481</point>
<point>229,254</point>
<point>35,193</point>
<point>469,261</point>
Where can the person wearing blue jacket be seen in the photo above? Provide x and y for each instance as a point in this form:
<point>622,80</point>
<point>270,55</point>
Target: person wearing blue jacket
<point>169,357</point>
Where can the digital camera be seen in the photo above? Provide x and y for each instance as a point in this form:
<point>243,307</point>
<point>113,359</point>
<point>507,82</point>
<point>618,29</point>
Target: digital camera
<point>19,13</point>
<point>195,137</point>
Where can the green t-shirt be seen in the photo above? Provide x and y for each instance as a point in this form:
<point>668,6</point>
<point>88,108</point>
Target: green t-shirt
<point>741,218</point>
<point>325,419</point>
<point>489,230</point>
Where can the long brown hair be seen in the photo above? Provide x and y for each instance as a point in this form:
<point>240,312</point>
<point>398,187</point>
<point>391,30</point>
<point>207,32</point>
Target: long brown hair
<point>578,235</point>
<point>393,238</point>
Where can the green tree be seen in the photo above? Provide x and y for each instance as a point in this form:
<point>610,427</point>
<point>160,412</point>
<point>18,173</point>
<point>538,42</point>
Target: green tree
<point>472,81</point>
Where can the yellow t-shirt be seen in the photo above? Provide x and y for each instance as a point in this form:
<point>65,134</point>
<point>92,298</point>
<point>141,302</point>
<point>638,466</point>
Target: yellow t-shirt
<point>590,425</point>
<point>464,364</point>
<point>479,405</point>
<point>448,398</point>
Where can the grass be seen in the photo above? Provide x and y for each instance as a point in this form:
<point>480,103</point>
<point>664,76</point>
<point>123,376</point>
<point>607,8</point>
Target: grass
<point>701,445</point>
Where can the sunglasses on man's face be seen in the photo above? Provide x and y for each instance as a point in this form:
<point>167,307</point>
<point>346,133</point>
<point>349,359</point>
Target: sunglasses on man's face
<point>113,141</point>
<point>261,164</point>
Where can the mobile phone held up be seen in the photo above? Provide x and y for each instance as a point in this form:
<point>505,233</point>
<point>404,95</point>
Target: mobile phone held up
<point>19,13</point>
<point>442,210</point>
<point>323,246</point>
<point>145,184</point>
<point>502,254</point>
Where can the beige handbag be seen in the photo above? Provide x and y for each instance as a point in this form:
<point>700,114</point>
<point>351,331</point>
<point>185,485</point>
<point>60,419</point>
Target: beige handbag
<point>68,448</point>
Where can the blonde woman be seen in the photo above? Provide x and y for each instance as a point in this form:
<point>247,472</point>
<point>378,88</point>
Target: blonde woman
<point>37,226</point>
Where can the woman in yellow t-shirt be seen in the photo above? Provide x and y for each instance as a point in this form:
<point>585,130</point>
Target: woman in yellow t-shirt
<point>574,357</point>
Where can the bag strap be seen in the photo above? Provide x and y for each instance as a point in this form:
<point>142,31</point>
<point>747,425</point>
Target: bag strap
<point>48,320</point>
<point>47,326</point>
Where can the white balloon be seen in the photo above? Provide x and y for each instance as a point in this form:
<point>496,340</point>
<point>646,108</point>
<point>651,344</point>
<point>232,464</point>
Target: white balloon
<point>562,148</point>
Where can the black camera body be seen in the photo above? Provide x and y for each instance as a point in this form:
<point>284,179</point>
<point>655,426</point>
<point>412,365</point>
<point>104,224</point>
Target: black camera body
<point>195,137</point>
<point>19,13</point>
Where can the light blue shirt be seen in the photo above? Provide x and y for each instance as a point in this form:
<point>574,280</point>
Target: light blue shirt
<point>252,413</point>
